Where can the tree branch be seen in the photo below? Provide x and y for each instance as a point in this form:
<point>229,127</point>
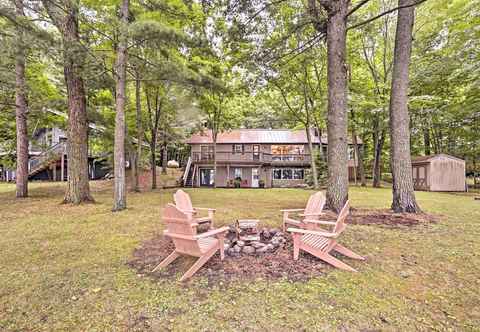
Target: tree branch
<point>383,14</point>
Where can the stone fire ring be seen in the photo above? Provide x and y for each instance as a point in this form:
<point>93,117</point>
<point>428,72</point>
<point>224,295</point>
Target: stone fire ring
<point>268,240</point>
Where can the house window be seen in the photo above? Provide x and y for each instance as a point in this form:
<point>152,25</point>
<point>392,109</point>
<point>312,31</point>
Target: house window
<point>287,174</point>
<point>237,148</point>
<point>298,174</point>
<point>277,174</point>
<point>288,149</point>
<point>237,172</point>
<point>351,153</point>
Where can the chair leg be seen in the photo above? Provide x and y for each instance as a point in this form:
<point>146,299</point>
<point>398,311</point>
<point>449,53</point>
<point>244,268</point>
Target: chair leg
<point>221,242</point>
<point>335,262</point>
<point>347,252</point>
<point>198,264</point>
<point>170,258</point>
<point>296,246</point>
<point>210,215</point>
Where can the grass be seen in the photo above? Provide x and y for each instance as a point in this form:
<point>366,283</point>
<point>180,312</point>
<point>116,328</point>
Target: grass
<point>64,268</point>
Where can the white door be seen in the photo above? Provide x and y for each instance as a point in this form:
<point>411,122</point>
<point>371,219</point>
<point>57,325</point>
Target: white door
<point>255,177</point>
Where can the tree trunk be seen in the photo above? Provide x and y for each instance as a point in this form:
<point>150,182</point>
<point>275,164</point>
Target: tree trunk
<point>308,130</point>
<point>426,141</point>
<point>337,189</point>
<point>379,140</point>
<point>214,136</point>
<point>165,159</point>
<point>403,194</point>
<point>78,189</point>
<point>312,156</point>
<point>358,153</point>
<point>153,162</point>
<point>138,106</point>
<point>119,195</point>
<point>21,110</point>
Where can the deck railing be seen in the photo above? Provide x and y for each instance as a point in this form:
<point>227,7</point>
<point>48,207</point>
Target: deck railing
<point>37,163</point>
<point>250,156</point>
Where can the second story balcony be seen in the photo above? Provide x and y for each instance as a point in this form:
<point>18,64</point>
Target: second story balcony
<point>252,157</point>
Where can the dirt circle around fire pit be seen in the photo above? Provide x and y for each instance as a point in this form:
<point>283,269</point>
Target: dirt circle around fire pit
<point>273,261</point>
<point>269,259</point>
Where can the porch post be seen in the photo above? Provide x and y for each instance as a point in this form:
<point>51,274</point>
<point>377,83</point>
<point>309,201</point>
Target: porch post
<point>62,167</point>
<point>228,174</point>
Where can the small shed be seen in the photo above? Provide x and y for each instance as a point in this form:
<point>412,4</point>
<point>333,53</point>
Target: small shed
<point>440,172</point>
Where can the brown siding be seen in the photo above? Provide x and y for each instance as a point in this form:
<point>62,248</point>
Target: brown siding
<point>287,183</point>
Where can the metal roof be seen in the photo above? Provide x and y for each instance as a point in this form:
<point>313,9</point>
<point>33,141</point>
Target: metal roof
<point>265,136</point>
<point>261,136</point>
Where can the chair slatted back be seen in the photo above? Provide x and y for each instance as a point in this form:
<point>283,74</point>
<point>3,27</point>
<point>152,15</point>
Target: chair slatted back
<point>315,204</point>
<point>178,222</point>
<point>342,216</point>
<point>183,201</point>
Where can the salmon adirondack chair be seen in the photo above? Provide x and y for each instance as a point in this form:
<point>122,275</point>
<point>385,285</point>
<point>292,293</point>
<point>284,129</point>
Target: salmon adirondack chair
<point>312,212</point>
<point>320,244</point>
<point>183,232</point>
<point>184,203</point>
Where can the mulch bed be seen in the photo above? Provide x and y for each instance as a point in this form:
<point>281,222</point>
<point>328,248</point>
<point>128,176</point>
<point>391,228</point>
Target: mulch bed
<point>272,265</point>
<point>388,218</point>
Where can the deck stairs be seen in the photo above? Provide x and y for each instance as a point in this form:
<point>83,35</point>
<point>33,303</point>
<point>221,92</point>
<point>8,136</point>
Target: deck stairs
<point>189,174</point>
<point>46,158</point>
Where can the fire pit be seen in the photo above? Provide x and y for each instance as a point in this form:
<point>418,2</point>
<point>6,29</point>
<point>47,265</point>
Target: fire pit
<point>247,230</point>
<point>245,238</point>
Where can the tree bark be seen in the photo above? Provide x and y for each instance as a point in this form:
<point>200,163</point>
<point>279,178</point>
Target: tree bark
<point>313,165</point>
<point>119,196</point>
<point>337,189</point>
<point>66,20</point>
<point>138,106</point>
<point>214,136</point>
<point>358,153</point>
<point>426,141</point>
<point>311,150</point>
<point>164,158</point>
<point>153,162</point>
<point>21,109</point>
<point>379,140</point>
<point>403,193</point>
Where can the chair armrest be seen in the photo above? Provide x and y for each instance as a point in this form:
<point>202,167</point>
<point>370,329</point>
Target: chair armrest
<point>321,222</point>
<point>179,236</point>
<point>205,209</point>
<point>188,211</point>
<point>311,214</point>
<point>304,231</point>
<point>292,210</point>
<point>212,232</point>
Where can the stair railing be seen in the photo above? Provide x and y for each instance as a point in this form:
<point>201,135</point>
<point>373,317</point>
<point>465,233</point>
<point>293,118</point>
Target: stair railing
<point>36,163</point>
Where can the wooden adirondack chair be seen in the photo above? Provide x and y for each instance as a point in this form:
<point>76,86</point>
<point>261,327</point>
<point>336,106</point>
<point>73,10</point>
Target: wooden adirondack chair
<point>312,212</point>
<point>320,244</point>
<point>184,203</point>
<point>187,242</point>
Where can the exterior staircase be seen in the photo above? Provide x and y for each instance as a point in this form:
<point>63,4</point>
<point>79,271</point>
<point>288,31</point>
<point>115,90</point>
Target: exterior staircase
<point>188,174</point>
<point>46,158</point>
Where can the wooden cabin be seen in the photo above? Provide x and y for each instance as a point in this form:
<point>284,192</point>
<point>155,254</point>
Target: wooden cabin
<point>439,172</point>
<point>255,158</point>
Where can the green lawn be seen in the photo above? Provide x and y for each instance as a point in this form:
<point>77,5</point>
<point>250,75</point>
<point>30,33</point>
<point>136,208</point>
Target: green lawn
<point>64,268</point>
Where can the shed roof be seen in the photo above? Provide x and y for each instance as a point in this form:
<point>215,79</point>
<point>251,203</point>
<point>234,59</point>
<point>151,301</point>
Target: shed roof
<point>261,136</point>
<point>427,159</point>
